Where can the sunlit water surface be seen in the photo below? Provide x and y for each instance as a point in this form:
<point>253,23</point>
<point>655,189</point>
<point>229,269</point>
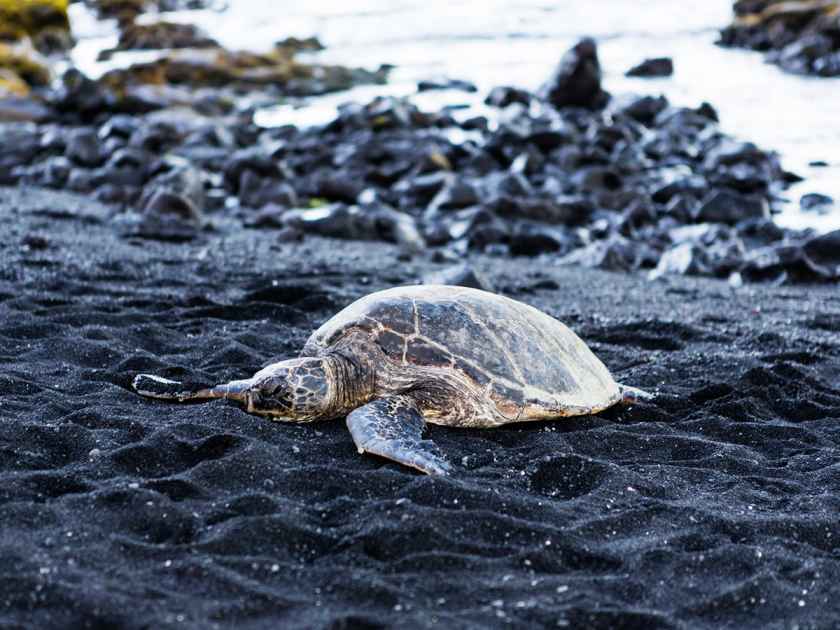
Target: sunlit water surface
<point>518,42</point>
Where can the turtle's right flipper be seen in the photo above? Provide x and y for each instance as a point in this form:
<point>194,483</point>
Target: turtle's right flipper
<point>632,395</point>
<point>392,427</point>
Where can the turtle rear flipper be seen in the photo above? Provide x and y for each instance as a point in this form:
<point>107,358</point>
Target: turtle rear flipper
<point>392,427</point>
<point>633,395</point>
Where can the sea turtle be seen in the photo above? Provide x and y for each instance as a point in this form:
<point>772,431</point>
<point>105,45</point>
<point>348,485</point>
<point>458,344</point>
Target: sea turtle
<point>399,358</point>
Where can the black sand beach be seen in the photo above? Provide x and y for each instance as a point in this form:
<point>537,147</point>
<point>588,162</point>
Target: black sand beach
<point>715,506</point>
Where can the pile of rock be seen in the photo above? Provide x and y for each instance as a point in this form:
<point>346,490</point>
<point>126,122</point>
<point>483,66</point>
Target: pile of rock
<point>126,11</point>
<point>29,31</point>
<point>21,69</point>
<point>655,67</point>
<point>191,69</point>
<point>801,36</point>
<point>44,23</point>
<point>569,174</point>
<point>216,77</point>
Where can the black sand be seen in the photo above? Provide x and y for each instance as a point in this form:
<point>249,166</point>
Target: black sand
<point>715,507</point>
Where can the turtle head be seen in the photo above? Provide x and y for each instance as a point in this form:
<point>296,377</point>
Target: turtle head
<point>297,390</point>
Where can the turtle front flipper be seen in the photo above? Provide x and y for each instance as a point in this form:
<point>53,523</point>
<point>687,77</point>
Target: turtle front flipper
<point>392,427</point>
<point>157,387</point>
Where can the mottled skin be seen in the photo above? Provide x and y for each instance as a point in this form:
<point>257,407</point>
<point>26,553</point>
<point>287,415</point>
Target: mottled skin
<point>397,359</point>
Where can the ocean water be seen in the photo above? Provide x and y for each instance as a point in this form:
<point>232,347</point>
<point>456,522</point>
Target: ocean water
<point>518,42</point>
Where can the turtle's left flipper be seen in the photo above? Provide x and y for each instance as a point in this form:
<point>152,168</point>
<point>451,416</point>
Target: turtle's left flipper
<point>392,427</point>
<point>153,386</point>
<point>632,395</point>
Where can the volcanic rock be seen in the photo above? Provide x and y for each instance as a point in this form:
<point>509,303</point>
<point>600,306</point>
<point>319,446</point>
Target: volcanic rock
<point>656,67</point>
<point>464,275</point>
<point>728,207</point>
<point>815,202</point>
<point>577,80</point>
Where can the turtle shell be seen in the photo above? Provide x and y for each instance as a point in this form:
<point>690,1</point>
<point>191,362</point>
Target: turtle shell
<point>522,355</point>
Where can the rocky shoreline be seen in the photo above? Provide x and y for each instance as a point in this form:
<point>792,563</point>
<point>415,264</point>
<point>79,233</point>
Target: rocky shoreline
<point>802,37</point>
<point>189,70</point>
<point>570,172</point>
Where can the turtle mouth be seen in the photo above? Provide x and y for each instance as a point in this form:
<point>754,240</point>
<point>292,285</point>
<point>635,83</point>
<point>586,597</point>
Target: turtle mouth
<point>256,405</point>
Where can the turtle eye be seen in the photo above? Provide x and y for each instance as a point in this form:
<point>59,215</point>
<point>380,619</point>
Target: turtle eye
<point>273,394</point>
<point>273,387</point>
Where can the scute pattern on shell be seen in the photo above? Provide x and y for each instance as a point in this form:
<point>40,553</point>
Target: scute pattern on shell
<point>521,355</point>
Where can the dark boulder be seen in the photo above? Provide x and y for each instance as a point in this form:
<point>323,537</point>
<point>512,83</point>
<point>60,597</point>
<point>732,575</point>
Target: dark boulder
<point>457,192</point>
<point>256,191</point>
<point>656,67</point>
<point>704,249</point>
<point>502,96</point>
<point>171,205</point>
<point>823,252</point>
<point>614,254</point>
<point>685,259</point>
<point>774,263</point>
<point>338,186</point>
<point>576,82</point>
<point>83,148</point>
<point>81,97</point>
<point>446,84</point>
<point>760,231</point>
<point>533,239</point>
<point>636,216</point>
<point>177,192</point>
<point>463,275</point>
<point>729,152</point>
<point>643,109</point>
<point>163,203</point>
<point>24,109</point>
<point>270,216</point>
<point>828,65</point>
<point>254,159</point>
<point>119,126</point>
<point>160,35</point>
<point>566,209</point>
<point>157,137</point>
<point>419,190</point>
<point>477,225</point>
<point>799,56</point>
<point>724,206</point>
<point>815,202</point>
<point>376,222</point>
